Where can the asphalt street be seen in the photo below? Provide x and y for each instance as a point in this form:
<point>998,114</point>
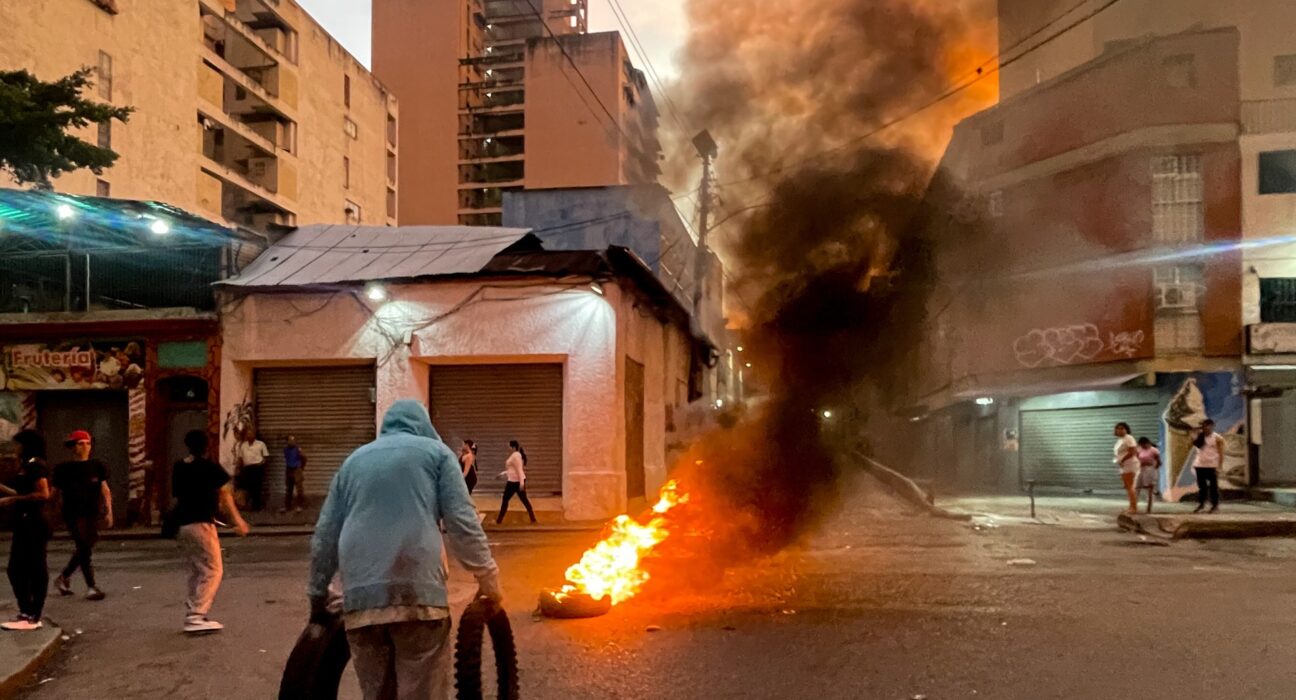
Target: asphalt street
<point>880,604</point>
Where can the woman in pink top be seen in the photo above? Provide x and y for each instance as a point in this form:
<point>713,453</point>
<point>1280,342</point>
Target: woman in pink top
<point>1149,468</point>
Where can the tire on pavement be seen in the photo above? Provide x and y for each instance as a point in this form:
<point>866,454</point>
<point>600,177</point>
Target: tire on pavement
<point>317,662</point>
<point>479,618</point>
<point>572,607</point>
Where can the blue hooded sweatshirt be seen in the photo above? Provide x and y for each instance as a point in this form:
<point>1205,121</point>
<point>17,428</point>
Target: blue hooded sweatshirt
<point>378,526</point>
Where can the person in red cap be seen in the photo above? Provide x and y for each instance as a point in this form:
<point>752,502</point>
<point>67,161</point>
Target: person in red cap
<point>82,485</point>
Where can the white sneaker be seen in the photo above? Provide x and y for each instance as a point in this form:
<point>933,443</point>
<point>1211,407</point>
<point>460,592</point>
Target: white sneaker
<point>22,625</point>
<point>201,625</point>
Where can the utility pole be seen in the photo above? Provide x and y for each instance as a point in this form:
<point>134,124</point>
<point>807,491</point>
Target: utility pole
<point>707,150</point>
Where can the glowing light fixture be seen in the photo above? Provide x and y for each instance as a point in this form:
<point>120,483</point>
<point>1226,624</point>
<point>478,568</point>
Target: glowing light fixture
<point>160,227</point>
<point>375,292</point>
<point>64,212</point>
<point>740,348</point>
<point>985,401</point>
<point>827,415</point>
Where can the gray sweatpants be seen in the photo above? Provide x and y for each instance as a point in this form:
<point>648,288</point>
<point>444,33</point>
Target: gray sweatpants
<point>201,548</point>
<point>403,661</point>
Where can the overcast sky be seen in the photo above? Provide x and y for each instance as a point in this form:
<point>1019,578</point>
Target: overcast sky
<point>659,23</point>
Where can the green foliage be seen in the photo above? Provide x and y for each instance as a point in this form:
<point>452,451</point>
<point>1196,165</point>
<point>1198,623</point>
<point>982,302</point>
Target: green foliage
<point>35,120</point>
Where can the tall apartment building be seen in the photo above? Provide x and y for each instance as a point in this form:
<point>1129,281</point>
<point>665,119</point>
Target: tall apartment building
<point>247,111</point>
<point>506,95</point>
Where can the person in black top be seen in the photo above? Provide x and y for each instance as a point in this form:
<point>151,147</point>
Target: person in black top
<point>28,571</point>
<point>83,486</point>
<point>201,489</point>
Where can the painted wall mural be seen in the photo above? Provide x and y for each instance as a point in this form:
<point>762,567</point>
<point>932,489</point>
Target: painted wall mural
<point>114,364</point>
<point>1194,397</point>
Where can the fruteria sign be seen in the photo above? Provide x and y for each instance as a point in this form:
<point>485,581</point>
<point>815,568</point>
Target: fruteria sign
<point>99,364</point>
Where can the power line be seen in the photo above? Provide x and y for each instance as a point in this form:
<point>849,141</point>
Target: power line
<point>623,19</point>
<point>937,100</point>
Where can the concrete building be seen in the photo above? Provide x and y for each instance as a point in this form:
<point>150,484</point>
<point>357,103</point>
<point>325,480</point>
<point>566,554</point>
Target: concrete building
<point>504,95</point>
<point>1109,250</point>
<point>247,111</point>
<point>579,355</point>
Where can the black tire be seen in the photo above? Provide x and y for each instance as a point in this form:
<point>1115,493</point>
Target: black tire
<point>573,607</point>
<point>478,618</point>
<point>314,669</point>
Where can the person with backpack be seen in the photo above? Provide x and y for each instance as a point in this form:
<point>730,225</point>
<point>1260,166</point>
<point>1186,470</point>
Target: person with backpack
<point>1207,463</point>
<point>201,490</point>
<point>515,473</point>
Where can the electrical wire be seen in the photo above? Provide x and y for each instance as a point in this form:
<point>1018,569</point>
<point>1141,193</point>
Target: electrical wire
<point>623,19</point>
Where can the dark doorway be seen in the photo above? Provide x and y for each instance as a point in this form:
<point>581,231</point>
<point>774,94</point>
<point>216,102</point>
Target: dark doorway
<point>636,485</point>
<point>184,407</point>
<point>104,414</point>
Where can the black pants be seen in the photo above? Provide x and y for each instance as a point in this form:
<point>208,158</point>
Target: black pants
<point>510,489</point>
<point>252,481</point>
<point>471,479</point>
<point>84,530</point>
<point>28,572</point>
<point>1207,484</point>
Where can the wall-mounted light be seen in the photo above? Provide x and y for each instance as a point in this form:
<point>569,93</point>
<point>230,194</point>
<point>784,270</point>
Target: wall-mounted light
<point>985,401</point>
<point>160,227</point>
<point>719,403</point>
<point>64,212</point>
<point>375,292</point>
<point>748,365</point>
<point>827,415</point>
<point>740,348</point>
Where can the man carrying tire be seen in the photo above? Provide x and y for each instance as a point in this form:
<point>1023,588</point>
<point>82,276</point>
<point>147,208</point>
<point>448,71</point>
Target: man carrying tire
<point>379,529</point>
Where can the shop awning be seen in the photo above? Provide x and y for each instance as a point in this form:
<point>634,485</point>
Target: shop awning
<point>331,254</point>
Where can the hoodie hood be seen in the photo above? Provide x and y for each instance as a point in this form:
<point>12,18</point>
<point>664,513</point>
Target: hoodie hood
<point>409,417</point>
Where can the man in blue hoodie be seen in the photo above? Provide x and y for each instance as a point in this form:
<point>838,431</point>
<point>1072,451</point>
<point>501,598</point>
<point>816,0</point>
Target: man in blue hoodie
<point>379,530</point>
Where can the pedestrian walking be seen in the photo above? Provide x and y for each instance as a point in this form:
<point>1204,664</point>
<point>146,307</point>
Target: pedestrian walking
<point>515,473</point>
<point>1149,468</point>
<point>251,456</point>
<point>28,570</point>
<point>294,476</point>
<point>1127,461</point>
<point>468,464</point>
<point>82,486</point>
<point>378,528</point>
<point>201,490</point>
<point>1207,463</point>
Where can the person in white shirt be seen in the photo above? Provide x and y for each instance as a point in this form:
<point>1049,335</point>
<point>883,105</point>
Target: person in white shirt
<point>1207,463</point>
<point>250,456</point>
<point>1127,461</point>
<point>515,472</point>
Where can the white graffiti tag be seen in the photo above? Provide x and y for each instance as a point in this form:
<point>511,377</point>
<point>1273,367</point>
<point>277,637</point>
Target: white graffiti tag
<point>1061,345</point>
<point>1126,344</point>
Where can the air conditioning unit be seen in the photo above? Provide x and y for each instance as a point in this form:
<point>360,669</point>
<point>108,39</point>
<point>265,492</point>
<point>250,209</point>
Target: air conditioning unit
<point>1179,296</point>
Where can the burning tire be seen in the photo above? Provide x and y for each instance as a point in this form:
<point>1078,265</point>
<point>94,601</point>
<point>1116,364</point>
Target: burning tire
<point>572,607</point>
<point>478,618</point>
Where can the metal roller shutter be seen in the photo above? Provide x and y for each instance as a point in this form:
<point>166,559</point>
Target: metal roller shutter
<point>1073,447</point>
<point>493,404</point>
<point>329,409</point>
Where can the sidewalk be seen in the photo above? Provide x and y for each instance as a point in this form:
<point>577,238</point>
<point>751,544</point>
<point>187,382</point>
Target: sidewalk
<point>1099,511</point>
<point>21,655</point>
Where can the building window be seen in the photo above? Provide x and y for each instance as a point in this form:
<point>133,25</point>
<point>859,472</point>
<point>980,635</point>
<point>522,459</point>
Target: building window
<point>1285,70</point>
<point>352,212</point>
<point>346,172</point>
<point>346,91</point>
<point>391,167</point>
<point>351,129</point>
<point>1181,70</point>
<point>1278,300</point>
<point>240,93</point>
<point>391,203</point>
<point>1278,172</point>
<point>995,204</point>
<point>109,6</point>
<point>105,135</point>
<point>102,188</point>
<point>391,130</point>
<point>992,134</point>
<point>1178,207</point>
<point>105,72</point>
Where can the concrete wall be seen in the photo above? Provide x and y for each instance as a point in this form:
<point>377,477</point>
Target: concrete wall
<point>533,321</point>
<point>416,50</point>
<point>157,70</point>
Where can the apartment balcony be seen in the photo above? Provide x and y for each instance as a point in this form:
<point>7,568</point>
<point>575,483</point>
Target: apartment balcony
<point>485,175</point>
<point>251,95</point>
<point>273,42</point>
<point>477,125</point>
<point>220,119</point>
<point>491,148</point>
<point>518,108</point>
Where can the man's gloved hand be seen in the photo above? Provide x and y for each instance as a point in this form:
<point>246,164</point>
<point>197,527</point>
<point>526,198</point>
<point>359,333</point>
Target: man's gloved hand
<point>320,613</point>
<point>488,587</point>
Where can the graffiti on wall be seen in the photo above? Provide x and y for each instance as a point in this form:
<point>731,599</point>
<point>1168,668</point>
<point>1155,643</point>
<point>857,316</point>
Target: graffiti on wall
<point>1067,345</point>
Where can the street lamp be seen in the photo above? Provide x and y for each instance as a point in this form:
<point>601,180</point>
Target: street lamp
<point>160,227</point>
<point>375,292</point>
<point>64,212</point>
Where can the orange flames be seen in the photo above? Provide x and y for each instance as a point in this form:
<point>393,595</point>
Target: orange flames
<point>611,568</point>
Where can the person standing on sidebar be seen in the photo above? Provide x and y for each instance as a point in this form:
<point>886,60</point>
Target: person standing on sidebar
<point>82,485</point>
<point>294,476</point>
<point>468,464</point>
<point>1210,457</point>
<point>28,571</point>
<point>515,472</point>
<point>251,455</point>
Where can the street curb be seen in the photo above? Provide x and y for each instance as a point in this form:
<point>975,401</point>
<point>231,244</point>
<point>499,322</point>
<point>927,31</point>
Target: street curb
<point>1205,528</point>
<point>19,678</point>
<point>909,490</point>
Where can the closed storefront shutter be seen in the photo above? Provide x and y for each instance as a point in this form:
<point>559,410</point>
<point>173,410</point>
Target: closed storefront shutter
<point>493,404</point>
<point>329,409</point>
<point>1073,447</point>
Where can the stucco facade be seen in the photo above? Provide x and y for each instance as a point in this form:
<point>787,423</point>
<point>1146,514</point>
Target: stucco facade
<point>246,111</point>
<point>515,321</point>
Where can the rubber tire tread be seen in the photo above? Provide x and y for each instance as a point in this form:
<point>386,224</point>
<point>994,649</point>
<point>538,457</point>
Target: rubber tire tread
<point>477,620</point>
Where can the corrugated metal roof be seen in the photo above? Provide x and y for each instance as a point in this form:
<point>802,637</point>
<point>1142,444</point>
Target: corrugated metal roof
<point>330,254</point>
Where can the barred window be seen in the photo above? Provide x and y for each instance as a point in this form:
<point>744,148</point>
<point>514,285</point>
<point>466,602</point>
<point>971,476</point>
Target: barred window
<point>1178,205</point>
